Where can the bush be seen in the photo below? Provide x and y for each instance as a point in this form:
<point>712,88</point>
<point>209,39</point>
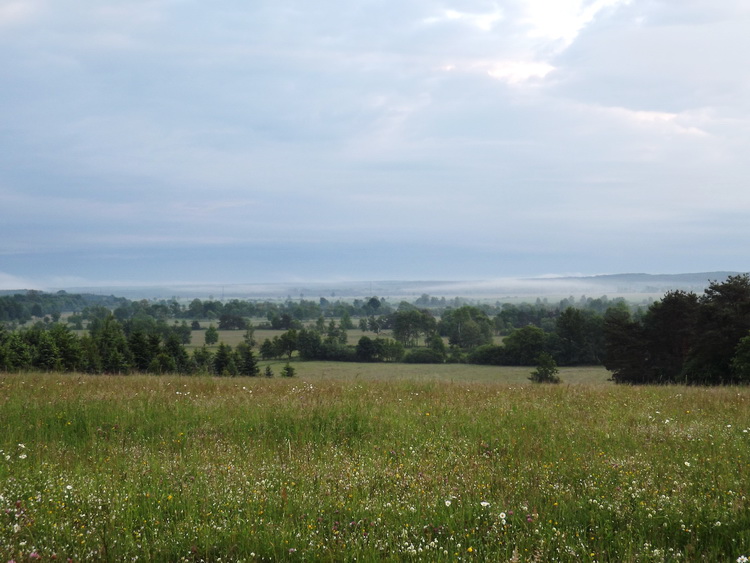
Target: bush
<point>423,356</point>
<point>546,370</point>
<point>487,355</point>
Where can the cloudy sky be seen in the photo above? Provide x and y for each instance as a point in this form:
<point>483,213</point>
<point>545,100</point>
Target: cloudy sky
<point>232,141</point>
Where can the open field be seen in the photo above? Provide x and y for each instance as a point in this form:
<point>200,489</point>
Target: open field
<point>234,337</point>
<point>456,373</point>
<point>329,467</point>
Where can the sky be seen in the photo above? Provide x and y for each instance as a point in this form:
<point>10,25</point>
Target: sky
<point>235,141</point>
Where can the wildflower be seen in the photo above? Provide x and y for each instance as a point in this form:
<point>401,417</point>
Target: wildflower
<point>22,456</point>
<point>69,487</point>
<point>484,503</point>
<point>34,555</point>
<point>447,503</point>
<point>687,464</point>
<point>502,516</point>
<point>743,559</point>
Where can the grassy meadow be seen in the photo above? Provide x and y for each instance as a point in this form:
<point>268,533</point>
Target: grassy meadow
<point>234,337</point>
<point>347,461</point>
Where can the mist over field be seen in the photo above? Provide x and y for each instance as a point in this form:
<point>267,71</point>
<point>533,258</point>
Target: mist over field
<point>630,286</point>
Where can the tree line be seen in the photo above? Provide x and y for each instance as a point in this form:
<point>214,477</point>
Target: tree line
<point>112,347</point>
<point>684,337</point>
<point>23,307</point>
<point>681,338</point>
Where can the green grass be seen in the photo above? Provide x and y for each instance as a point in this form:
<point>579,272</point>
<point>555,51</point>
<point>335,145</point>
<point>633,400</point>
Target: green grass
<point>234,337</point>
<point>377,463</point>
<point>342,371</point>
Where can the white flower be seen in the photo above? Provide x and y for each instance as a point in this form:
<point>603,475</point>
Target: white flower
<point>717,524</point>
<point>16,528</point>
<point>447,503</point>
<point>484,503</point>
<point>743,559</point>
<point>687,464</point>
<point>502,516</point>
<point>69,487</point>
<point>22,456</point>
<point>22,446</point>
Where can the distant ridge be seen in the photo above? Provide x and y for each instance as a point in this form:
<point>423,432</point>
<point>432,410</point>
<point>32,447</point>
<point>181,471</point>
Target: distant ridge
<point>654,283</point>
<point>609,284</point>
<point>681,278</point>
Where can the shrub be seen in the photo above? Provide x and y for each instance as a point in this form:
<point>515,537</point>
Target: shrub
<point>546,370</point>
<point>423,356</point>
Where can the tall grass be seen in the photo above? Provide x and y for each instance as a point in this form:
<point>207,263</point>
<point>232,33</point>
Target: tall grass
<point>167,468</point>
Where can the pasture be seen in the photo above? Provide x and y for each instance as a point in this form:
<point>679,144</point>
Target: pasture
<point>351,461</point>
<point>234,337</point>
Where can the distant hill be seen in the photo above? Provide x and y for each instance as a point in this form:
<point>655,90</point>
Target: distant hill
<point>652,283</point>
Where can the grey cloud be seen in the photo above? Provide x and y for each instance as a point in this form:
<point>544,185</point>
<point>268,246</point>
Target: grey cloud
<point>198,126</point>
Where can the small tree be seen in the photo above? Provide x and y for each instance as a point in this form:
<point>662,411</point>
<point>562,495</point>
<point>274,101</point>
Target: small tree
<point>249,337</point>
<point>268,372</point>
<point>211,335</point>
<point>224,363</point>
<point>287,371</point>
<point>546,370</point>
<point>246,363</point>
<point>346,321</point>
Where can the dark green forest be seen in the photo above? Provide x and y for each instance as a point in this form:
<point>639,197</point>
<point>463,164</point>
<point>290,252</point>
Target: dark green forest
<point>682,338</point>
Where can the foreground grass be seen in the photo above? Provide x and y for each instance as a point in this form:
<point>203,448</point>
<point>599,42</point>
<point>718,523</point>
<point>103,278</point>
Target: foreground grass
<point>200,469</point>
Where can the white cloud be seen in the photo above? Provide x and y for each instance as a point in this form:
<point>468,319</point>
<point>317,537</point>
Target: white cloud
<point>562,20</point>
<point>482,21</point>
<point>519,71</point>
<point>658,121</point>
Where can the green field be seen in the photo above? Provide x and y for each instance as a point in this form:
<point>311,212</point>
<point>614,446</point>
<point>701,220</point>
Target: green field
<point>372,462</point>
<point>457,373</point>
<point>234,337</point>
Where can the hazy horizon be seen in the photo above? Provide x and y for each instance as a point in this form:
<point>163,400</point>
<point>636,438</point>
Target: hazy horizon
<point>633,287</point>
